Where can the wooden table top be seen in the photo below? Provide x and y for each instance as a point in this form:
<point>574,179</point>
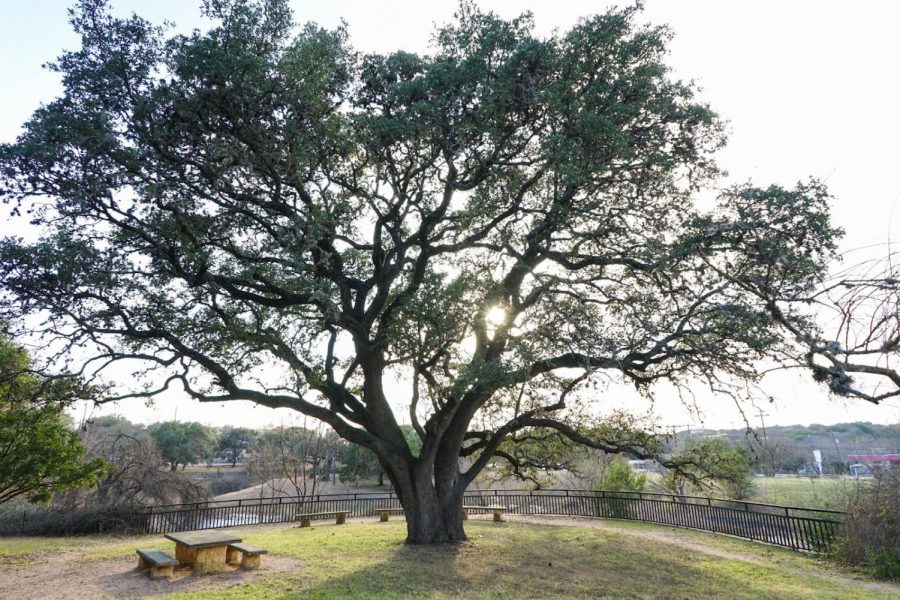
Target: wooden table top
<point>204,538</point>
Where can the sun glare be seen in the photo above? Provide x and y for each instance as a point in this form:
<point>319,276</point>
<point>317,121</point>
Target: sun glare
<point>496,316</point>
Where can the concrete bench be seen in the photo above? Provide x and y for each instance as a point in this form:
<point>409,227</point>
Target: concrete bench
<point>249,555</point>
<point>384,512</point>
<point>159,563</point>
<point>497,510</point>
<point>339,515</point>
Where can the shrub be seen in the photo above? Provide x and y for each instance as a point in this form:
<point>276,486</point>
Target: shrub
<point>44,520</point>
<point>710,463</point>
<point>620,477</point>
<point>870,535</point>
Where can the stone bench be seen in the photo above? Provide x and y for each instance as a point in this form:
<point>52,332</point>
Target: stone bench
<point>249,555</point>
<point>339,515</point>
<point>384,512</point>
<point>159,563</point>
<point>497,510</point>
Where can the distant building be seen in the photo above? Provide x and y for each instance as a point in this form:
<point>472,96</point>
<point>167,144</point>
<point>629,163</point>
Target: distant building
<point>647,465</point>
<point>861,464</point>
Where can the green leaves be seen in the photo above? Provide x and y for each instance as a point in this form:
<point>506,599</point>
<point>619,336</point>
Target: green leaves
<point>39,452</point>
<point>257,212</point>
<point>183,442</point>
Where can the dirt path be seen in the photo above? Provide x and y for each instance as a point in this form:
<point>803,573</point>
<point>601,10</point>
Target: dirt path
<point>666,536</point>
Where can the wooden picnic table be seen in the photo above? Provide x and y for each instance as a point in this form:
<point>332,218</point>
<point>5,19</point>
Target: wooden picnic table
<point>206,549</point>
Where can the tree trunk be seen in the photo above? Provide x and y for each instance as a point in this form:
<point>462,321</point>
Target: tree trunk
<point>432,516</point>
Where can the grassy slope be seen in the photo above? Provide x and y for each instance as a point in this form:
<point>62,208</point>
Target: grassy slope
<point>369,560</point>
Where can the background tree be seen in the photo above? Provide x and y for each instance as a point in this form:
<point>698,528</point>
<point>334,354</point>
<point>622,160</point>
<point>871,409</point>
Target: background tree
<point>235,440</point>
<point>358,462</point>
<point>620,477</point>
<point>40,453</point>
<point>709,463</point>
<point>294,459</point>
<point>134,477</point>
<point>257,212</point>
<point>181,443</point>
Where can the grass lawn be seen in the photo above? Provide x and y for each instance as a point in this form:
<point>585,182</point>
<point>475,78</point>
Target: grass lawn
<point>590,559</point>
<point>812,492</point>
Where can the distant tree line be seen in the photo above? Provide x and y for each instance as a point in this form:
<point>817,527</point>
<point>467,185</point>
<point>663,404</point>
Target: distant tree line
<point>789,448</point>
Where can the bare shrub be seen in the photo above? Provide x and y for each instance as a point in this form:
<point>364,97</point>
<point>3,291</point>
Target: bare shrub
<point>135,479</point>
<point>293,460</point>
<point>54,520</point>
<point>870,536</point>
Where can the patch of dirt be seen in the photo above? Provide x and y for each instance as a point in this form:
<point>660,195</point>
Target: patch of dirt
<point>64,576</point>
<point>670,537</point>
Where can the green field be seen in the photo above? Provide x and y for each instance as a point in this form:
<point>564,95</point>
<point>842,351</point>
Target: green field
<point>564,559</point>
<point>812,492</point>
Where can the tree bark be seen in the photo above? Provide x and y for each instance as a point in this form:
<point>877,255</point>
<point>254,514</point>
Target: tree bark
<point>433,516</point>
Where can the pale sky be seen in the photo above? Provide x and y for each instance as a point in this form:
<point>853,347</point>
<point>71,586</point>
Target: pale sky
<point>809,88</point>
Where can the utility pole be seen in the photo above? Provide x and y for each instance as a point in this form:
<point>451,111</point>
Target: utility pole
<point>837,452</point>
<point>766,440</point>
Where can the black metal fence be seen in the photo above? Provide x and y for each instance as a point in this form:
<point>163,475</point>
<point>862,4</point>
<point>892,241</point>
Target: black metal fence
<point>792,527</point>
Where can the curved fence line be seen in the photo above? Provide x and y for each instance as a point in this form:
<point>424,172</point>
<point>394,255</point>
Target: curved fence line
<point>792,527</point>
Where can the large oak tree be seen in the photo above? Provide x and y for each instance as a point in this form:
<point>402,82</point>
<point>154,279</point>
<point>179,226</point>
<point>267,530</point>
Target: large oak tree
<point>257,212</point>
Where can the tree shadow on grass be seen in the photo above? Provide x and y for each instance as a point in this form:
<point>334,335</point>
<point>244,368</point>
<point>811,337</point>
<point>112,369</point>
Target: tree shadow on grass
<point>529,562</point>
<point>538,566</point>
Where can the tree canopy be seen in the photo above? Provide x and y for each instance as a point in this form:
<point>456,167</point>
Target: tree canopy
<point>40,453</point>
<point>233,441</point>
<point>258,212</point>
<point>181,443</point>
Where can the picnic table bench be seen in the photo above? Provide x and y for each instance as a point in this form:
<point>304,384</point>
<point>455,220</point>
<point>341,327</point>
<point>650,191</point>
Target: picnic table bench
<point>384,512</point>
<point>248,554</point>
<point>339,515</point>
<point>205,550</point>
<point>158,563</point>
<point>497,510</point>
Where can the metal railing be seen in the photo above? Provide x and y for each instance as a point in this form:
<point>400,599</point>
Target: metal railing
<point>788,526</point>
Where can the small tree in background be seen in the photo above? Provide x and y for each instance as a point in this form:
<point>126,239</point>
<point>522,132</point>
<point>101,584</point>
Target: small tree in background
<point>294,459</point>
<point>235,440</point>
<point>359,463</point>
<point>620,477</point>
<point>40,453</point>
<point>181,443</point>
<point>711,463</point>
